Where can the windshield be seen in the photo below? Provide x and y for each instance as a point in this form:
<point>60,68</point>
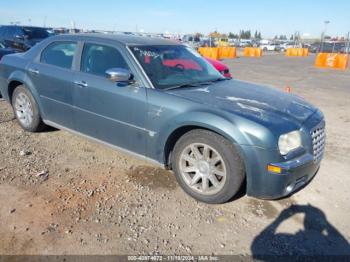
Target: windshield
<point>174,65</point>
<point>37,33</point>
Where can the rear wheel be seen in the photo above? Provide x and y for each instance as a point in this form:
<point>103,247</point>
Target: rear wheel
<point>207,166</point>
<point>26,110</point>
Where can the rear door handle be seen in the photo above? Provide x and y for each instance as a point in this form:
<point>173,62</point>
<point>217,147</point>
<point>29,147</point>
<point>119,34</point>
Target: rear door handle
<point>81,83</point>
<point>33,71</point>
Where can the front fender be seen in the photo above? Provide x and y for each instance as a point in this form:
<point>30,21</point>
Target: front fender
<point>222,125</point>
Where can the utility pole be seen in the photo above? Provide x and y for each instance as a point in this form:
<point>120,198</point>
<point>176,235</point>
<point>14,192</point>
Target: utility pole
<point>347,50</point>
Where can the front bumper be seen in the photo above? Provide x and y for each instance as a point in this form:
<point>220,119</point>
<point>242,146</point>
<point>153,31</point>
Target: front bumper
<point>296,170</point>
<point>295,174</point>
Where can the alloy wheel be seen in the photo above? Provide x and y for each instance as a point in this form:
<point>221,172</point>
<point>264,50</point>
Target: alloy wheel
<point>203,168</point>
<point>24,109</point>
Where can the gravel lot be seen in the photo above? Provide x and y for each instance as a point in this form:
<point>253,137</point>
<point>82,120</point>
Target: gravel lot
<point>62,194</point>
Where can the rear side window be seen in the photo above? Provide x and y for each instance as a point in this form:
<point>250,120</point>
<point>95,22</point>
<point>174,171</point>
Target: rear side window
<point>59,54</point>
<point>97,59</point>
<point>8,32</point>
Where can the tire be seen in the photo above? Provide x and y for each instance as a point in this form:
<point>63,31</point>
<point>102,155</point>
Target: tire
<point>229,172</point>
<point>26,110</point>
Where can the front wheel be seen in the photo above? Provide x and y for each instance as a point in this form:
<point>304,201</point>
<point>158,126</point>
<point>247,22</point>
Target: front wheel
<point>26,110</point>
<point>207,166</point>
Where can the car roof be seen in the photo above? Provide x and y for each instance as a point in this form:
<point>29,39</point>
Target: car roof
<point>25,26</point>
<point>121,38</point>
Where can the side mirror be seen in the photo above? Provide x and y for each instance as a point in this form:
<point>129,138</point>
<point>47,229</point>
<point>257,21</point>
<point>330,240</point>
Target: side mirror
<point>19,37</point>
<point>119,75</point>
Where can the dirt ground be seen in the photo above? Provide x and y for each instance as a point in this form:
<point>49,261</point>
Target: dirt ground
<point>62,194</point>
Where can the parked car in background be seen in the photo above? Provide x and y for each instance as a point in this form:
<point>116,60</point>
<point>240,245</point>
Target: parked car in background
<point>59,31</point>
<point>222,42</point>
<point>345,49</point>
<point>5,50</point>
<point>192,41</point>
<point>213,132</point>
<point>221,67</point>
<point>23,37</point>
<point>269,47</point>
<point>328,47</point>
<point>245,43</point>
<point>314,48</point>
<point>207,43</point>
<point>283,47</point>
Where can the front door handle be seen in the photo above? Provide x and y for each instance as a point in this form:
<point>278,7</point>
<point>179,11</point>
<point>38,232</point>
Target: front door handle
<point>81,83</point>
<point>33,71</point>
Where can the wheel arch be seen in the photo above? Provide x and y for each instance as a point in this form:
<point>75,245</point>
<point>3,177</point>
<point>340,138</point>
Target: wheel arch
<point>18,79</point>
<point>178,132</point>
<point>13,84</point>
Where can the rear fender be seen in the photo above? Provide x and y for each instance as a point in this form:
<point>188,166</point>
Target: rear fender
<point>23,78</point>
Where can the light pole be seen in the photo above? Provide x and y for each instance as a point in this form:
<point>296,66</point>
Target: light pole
<point>347,49</point>
<point>324,33</point>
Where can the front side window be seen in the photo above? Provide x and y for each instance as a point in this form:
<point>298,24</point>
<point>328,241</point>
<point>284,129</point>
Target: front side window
<point>97,59</point>
<point>169,66</point>
<point>59,54</point>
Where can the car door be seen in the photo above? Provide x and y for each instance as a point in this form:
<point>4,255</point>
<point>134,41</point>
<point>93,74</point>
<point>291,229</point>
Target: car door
<point>110,112</point>
<point>52,77</point>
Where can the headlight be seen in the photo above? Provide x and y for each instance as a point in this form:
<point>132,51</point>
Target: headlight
<point>289,142</point>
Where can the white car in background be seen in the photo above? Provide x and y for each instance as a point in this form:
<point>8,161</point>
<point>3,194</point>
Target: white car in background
<point>285,46</point>
<point>269,47</point>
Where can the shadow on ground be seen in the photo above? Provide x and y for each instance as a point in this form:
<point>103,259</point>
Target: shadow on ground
<point>317,238</point>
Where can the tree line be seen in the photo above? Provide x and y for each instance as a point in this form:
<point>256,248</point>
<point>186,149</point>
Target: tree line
<point>245,34</point>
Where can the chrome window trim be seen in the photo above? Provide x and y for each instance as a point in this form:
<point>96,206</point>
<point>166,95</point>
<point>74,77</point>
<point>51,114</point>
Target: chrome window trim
<point>141,68</point>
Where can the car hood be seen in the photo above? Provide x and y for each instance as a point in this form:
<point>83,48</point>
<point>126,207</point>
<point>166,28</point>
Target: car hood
<point>6,51</point>
<point>265,105</point>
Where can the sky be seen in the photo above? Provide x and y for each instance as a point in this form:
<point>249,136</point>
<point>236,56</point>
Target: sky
<point>271,17</point>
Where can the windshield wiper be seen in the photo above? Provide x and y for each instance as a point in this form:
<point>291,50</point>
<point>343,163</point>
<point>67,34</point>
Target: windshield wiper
<point>196,84</point>
<point>183,86</point>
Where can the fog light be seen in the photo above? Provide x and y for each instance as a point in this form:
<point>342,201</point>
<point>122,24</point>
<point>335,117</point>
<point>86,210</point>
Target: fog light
<point>274,169</point>
<point>289,188</point>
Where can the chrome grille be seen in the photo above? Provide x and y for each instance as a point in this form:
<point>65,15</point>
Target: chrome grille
<point>318,141</point>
